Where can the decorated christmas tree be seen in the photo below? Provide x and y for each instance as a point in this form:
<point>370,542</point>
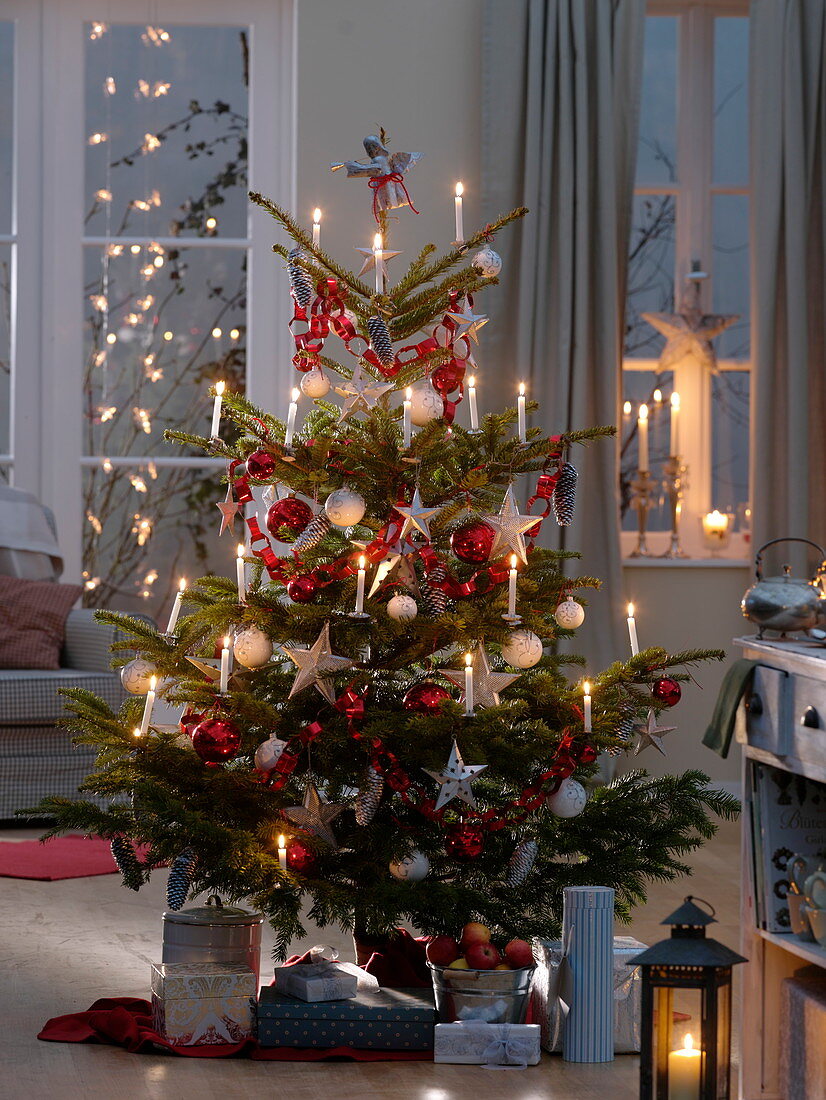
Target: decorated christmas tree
<point>390,735</point>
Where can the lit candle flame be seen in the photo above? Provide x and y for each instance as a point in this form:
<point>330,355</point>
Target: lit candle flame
<point>317,215</point>
<point>182,585</point>
<point>471,381</point>
<point>468,659</point>
<point>688,1043</point>
<point>282,841</point>
<point>675,400</point>
<point>219,388</point>
<point>586,687</point>
<point>362,562</point>
<point>626,408</point>
<point>630,611</point>
<point>136,731</point>
<point>521,389</point>
<point>377,243</point>
<point>152,681</point>
<point>240,550</point>
<point>295,394</point>
<point>460,190</point>
<point>226,642</point>
<point>513,561</point>
<point>643,414</point>
<point>408,393</point>
<point>657,395</point>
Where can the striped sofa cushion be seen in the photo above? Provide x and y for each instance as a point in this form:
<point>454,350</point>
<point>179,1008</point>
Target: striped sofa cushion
<point>30,697</point>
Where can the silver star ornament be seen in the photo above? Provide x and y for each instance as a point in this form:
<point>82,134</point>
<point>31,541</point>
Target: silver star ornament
<point>510,527</point>
<point>486,684</point>
<point>468,323</point>
<point>651,734</point>
<point>315,815</point>
<point>455,779</point>
<point>360,395</point>
<point>689,332</point>
<point>415,515</point>
<point>370,259</point>
<point>315,665</point>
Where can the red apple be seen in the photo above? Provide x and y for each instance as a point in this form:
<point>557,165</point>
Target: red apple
<point>482,956</point>
<point>474,932</point>
<point>519,954</point>
<point>442,950</point>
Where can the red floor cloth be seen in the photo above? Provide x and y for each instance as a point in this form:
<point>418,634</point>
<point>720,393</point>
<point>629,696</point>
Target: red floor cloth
<point>58,858</point>
<point>127,1022</point>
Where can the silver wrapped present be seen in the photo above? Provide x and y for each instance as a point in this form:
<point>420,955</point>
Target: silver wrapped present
<point>548,1010</point>
<point>474,1043</point>
<point>317,981</point>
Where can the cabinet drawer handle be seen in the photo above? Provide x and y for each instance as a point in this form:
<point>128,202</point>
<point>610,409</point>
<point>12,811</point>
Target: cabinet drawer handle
<point>810,718</point>
<point>755,705</point>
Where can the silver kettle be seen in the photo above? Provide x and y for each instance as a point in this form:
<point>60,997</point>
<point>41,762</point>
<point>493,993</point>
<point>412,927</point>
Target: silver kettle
<point>785,603</point>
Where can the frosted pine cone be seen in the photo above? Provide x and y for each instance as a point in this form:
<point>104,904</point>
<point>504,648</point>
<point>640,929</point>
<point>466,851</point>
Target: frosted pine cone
<point>623,732</point>
<point>521,862</point>
<point>181,874</point>
<point>369,796</point>
<point>124,856</point>
<point>380,339</point>
<point>564,497</point>
<point>434,600</point>
<point>301,284</point>
<point>312,534</point>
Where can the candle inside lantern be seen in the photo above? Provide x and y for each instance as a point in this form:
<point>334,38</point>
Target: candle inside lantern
<point>642,425</point>
<point>378,258</point>
<point>586,706</point>
<point>715,528</point>
<point>224,681</point>
<point>239,573</point>
<point>632,631</point>
<point>684,1072</point>
<point>282,852</point>
<point>147,707</point>
<point>460,225</point>
<point>316,227</point>
<point>468,683</point>
<point>291,414</point>
<point>176,607</point>
<point>474,412</point>
<point>512,589</point>
<point>216,409</point>
<point>520,411</point>
<point>675,424</point>
<point>360,586</point>
<point>407,407</point>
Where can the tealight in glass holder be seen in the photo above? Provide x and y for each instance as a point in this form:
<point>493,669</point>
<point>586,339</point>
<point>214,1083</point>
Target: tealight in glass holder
<point>717,528</point>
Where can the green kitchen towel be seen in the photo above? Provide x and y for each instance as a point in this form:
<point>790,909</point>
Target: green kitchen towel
<point>734,686</point>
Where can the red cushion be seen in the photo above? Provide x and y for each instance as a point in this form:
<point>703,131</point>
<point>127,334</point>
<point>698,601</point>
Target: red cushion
<point>33,621</point>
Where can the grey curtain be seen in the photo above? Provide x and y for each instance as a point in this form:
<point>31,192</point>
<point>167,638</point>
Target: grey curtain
<point>561,85</point>
<point>788,146</point>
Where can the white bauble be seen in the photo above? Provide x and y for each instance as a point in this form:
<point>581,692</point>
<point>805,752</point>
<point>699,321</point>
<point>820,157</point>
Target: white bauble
<point>426,404</point>
<point>268,753</point>
<point>136,675</point>
<point>412,868</point>
<point>252,647</point>
<point>523,649</point>
<point>487,262</point>
<point>315,384</point>
<point>344,507</point>
<point>570,614</point>
<point>569,800</point>
<point>402,608</point>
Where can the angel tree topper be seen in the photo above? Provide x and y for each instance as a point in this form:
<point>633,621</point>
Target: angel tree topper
<point>386,172</point>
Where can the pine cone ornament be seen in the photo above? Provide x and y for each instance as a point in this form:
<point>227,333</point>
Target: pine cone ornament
<point>181,874</point>
<point>434,600</point>
<point>521,862</point>
<point>312,534</point>
<point>369,796</point>
<point>624,732</point>
<point>301,283</point>
<point>380,339</point>
<point>564,497</point>
<point>124,856</point>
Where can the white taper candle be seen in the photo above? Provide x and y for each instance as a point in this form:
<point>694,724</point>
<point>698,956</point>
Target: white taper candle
<point>216,409</point>
<point>148,705</point>
<point>632,631</point>
<point>468,683</point>
<point>407,423</point>
<point>586,706</point>
<point>471,396</point>
<point>512,589</point>
<point>360,586</point>
<point>642,426</point>
<point>291,413</point>
<point>239,573</point>
<point>282,852</point>
<point>224,681</point>
<point>520,409</point>
<point>316,227</point>
<point>460,224</point>
<point>176,607</point>
<point>675,424</point>
<point>379,262</point>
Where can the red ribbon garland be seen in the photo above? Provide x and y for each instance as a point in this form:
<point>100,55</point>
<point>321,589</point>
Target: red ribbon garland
<point>375,183</point>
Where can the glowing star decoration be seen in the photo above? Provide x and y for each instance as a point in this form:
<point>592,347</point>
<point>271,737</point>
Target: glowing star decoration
<point>229,510</point>
<point>315,665</point>
<point>360,395</point>
<point>455,779</point>
<point>415,516</point>
<point>397,568</point>
<point>468,323</point>
<point>315,815</point>
<point>651,734</point>
<point>369,261</point>
<point>486,684</point>
<point>510,527</point>
<point>689,333</point>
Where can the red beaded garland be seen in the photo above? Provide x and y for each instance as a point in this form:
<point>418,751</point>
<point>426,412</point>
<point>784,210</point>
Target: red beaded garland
<point>302,589</point>
<point>465,842</point>
<point>215,740</point>
<point>260,465</point>
<point>300,858</point>
<point>473,542</point>
<point>288,517</point>
<point>667,691</point>
<point>425,698</point>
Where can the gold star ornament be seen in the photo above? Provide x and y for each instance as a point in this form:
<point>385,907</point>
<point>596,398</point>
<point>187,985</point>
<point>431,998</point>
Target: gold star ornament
<point>315,665</point>
<point>314,815</point>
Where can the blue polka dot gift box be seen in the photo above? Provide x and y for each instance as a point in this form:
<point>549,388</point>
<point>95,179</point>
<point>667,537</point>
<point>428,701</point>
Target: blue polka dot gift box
<point>387,1019</point>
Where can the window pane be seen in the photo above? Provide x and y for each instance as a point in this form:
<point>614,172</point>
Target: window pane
<point>731,272</point>
<point>731,100</point>
<point>166,130</point>
<point>6,123</point>
<point>650,272</point>
<point>657,147</point>
<point>730,442</point>
<point>654,389</point>
<point>5,347</point>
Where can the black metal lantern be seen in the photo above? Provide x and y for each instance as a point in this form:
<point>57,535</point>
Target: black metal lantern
<point>685,1050</point>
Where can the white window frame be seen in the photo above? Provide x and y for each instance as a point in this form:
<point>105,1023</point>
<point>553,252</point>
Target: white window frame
<point>693,192</point>
<point>47,307</point>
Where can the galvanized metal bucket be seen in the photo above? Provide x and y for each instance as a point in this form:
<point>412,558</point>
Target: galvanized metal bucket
<point>494,996</point>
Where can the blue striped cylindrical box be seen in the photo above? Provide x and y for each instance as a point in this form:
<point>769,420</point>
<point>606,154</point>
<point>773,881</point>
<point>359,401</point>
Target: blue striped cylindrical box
<point>588,936</point>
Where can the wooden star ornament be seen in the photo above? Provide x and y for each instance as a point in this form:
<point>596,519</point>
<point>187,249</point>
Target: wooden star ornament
<point>229,509</point>
<point>651,734</point>
<point>455,779</point>
<point>314,815</point>
<point>689,333</point>
<point>315,665</point>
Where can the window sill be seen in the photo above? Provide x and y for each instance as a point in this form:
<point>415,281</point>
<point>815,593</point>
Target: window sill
<point>686,563</point>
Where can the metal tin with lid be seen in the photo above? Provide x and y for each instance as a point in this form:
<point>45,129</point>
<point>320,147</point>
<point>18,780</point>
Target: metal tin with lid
<point>213,933</point>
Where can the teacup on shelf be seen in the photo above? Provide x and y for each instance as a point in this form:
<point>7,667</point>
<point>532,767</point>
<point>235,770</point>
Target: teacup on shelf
<point>798,917</point>
<point>817,919</point>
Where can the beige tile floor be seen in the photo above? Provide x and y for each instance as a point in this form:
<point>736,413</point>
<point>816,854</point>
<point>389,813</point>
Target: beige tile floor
<point>67,943</point>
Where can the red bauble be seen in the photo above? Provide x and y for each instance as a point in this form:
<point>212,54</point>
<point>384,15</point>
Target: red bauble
<point>473,542</point>
<point>425,698</point>
<point>445,379</point>
<point>300,858</point>
<point>260,465</point>
<point>302,589</point>
<point>465,842</point>
<point>587,754</point>
<point>216,740</point>
<point>667,691</point>
<point>288,517</point>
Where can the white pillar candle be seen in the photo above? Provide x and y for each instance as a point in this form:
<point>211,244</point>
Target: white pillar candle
<point>586,706</point>
<point>176,607</point>
<point>460,225</point>
<point>216,409</point>
<point>406,416</point>
<point>520,409</point>
<point>291,413</point>
<point>512,589</point>
<point>471,396</point>
<point>282,852</point>
<point>468,683</point>
<point>239,573</point>
<point>360,586</point>
<point>684,1072</point>
<point>224,682</point>
<point>147,706</point>
<point>632,631</point>
<point>379,263</point>
<point>642,425</point>
<point>675,424</point>
<point>316,227</point>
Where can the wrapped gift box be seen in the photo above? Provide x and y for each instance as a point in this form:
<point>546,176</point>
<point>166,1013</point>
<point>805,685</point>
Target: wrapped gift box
<point>478,1044</point>
<point>388,1019</point>
<point>550,1014</point>
<point>321,981</point>
<point>803,1035</point>
<point>199,1004</point>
